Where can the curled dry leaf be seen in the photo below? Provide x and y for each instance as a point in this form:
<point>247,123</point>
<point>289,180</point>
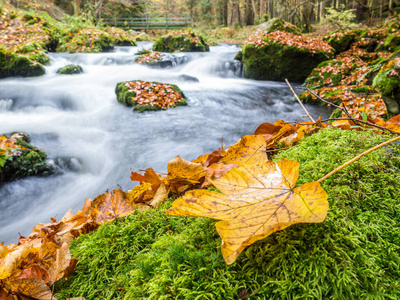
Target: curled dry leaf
<point>256,201</point>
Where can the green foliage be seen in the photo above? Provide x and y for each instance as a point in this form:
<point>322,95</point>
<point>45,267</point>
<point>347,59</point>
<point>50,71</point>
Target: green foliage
<point>354,254</point>
<point>340,19</point>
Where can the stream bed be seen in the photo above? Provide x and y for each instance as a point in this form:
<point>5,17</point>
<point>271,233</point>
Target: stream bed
<point>78,119</point>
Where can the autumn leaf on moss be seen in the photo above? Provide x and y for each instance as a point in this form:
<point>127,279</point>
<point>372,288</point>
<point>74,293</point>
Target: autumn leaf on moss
<point>256,201</point>
<point>110,206</point>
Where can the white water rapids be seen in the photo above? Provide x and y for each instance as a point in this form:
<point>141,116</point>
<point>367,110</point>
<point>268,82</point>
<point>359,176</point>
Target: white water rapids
<point>78,116</point>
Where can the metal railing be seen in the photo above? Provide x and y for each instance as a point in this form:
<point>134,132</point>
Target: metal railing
<point>147,22</point>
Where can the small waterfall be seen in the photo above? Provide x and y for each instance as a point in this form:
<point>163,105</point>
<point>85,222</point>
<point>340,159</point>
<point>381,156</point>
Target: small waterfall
<point>6,104</point>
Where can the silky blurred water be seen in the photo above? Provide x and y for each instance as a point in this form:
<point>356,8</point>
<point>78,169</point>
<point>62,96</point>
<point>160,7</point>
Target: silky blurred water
<point>78,117</point>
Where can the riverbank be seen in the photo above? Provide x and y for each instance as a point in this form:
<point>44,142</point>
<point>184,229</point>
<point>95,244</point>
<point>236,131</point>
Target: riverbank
<point>153,255</point>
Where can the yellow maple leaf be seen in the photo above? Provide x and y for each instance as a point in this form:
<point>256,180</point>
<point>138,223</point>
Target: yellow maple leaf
<point>256,201</point>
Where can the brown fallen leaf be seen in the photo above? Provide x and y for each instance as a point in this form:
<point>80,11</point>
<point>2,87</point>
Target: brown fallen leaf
<point>31,287</point>
<point>110,206</point>
<point>256,201</point>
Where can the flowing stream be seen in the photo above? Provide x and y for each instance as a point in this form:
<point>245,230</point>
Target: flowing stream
<point>77,118</point>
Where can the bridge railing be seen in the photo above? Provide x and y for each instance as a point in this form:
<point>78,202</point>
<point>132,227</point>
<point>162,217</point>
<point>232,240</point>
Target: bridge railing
<point>147,22</point>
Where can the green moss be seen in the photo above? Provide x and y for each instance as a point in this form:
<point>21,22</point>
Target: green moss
<point>87,40</point>
<point>337,113</point>
<point>277,24</point>
<point>125,96</point>
<point>275,61</point>
<point>341,41</point>
<point>353,254</point>
<point>120,37</point>
<point>186,41</point>
<point>12,64</point>
<point>70,69</point>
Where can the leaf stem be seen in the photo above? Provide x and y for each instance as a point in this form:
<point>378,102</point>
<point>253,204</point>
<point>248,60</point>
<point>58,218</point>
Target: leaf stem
<point>358,157</point>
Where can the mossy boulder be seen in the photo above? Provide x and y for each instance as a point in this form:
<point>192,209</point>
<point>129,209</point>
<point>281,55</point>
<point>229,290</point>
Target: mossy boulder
<point>12,64</point>
<point>387,81</point>
<point>70,69</point>
<point>353,254</point>
<point>22,159</point>
<point>120,37</point>
<point>340,41</point>
<point>88,40</point>
<point>149,96</point>
<point>277,24</point>
<point>280,55</point>
<point>184,41</point>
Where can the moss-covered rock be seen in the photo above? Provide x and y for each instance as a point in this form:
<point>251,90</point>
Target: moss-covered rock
<point>12,64</point>
<point>280,55</point>
<point>277,24</point>
<point>120,37</point>
<point>18,159</point>
<point>387,81</point>
<point>88,40</point>
<point>70,69</point>
<point>149,96</point>
<point>184,41</point>
<point>340,41</point>
<point>353,254</point>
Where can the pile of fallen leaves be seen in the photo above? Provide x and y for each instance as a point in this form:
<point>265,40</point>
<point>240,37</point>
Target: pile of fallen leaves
<point>154,93</point>
<point>288,39</point>
<point>149,58</point>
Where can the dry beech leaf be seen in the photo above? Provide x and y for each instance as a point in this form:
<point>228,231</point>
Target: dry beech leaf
<point>160,196</point>
<point>32,287</point>
<point>11,260</point>
<point>110,206</point>
<point>256,201</point>
<point>34,271</point>
<point>70,269</point>
<point>4,295</point>
<point>62,261</point>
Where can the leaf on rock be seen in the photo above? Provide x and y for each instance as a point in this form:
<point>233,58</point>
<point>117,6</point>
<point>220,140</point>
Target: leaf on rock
<point>110,206</point>
<point>256,201</point>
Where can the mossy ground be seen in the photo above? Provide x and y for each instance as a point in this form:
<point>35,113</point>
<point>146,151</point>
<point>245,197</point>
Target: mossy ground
<point>353,254</point>
<point>12,64</point>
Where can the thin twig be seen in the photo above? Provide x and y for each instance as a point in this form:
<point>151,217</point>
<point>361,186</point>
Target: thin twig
<point>364,122</point>
<point>298,100</point>
<point>358,157</point>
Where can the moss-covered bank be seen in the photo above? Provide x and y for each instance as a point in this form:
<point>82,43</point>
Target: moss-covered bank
<point>353,254</point>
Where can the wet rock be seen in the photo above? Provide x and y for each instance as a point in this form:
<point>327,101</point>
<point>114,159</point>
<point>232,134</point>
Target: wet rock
<point>391,105</point>
<point>188,78</point>
<point>70,69</point>
<point>162,60</point>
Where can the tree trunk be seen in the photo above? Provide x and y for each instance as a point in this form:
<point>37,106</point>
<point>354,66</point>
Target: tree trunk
<point>255,10</point>
<point>262,8</point>
<point>248,13</point>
